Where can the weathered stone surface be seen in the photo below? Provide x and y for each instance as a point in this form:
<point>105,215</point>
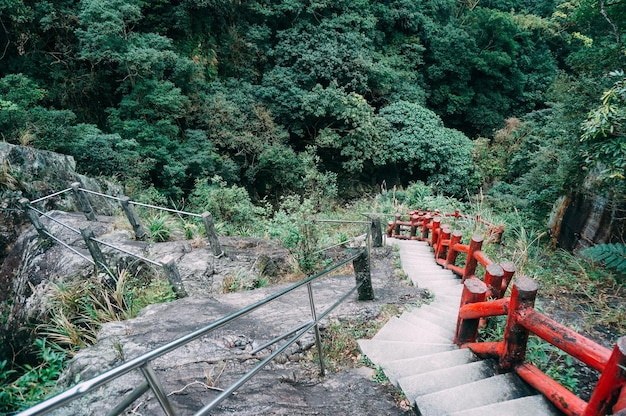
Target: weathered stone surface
<point>31,173</point>
<point>288,386</point>
<point>33,266</point>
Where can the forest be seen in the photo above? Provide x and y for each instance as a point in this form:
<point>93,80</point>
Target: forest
<point>266,113</point>
<point>524,99</point>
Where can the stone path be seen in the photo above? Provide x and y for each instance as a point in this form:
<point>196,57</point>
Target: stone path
<point>416,353</point>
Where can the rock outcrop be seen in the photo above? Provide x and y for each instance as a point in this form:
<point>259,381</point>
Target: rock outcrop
<point>585,219</point>
<point>34,266</point>
<point>30,173</point>
<point>194,374</point>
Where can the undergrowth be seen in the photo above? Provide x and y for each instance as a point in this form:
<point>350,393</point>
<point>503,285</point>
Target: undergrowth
<point>76,313</point>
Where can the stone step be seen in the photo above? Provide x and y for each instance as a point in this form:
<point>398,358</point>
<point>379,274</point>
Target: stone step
<point>436,277</point>
<point>381,351</point>
<point>445,309</point>
<point>423,325</point>
<point>536,405</point>
<point>451,299</point>
<point>436,284</point>
<point>417,385</point>
<point>398,330</point>
<point>424,313</point>
<point>480,393</point>
<point>449,291</point>
<point>411,366</point>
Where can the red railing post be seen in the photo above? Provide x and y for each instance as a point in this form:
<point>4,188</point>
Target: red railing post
<point>455,238</point>
<point>611,383</point>
<point>515,335</point>
<point>396,224</point>
<point>509,271</point>
<point>470,264</point>
<point>474,290</point>
<point>414,219</point>
<point>443,236</point>
<point>425,224</point>
<point>493,280</point>
<point>435,233</point>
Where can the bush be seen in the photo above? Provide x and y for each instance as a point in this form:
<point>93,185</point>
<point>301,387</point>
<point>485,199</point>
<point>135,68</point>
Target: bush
<point>227,204</point>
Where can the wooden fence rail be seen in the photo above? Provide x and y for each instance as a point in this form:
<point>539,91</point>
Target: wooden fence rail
<point>484,298</point>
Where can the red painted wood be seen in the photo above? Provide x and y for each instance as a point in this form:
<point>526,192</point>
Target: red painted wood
<point>611,383</point>
<point>515,335</point>
<point>470,264</point>
<point>493,279</point>
<point>565,400</point>
<point>443,242</point>
<point>455,269</point>
<point>566,339</point>
<point>425,224</point>
<point>620,406</point>
<point>482,258</point>
<point>484,309</point>
<point>509,271</point>
<point>474,291</point>
<point>461,248</point>
<point>455,238</point>
<point>485,349</point>
<point>435,230</point>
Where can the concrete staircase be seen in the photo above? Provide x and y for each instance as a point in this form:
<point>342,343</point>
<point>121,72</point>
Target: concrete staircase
<point>416,352</point>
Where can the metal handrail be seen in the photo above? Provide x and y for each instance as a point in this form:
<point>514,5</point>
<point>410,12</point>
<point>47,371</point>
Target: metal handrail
<point>50,196</point>
<point>143,361</point>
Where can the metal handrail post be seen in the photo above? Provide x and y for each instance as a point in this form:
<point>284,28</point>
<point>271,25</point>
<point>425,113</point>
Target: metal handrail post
<point>157,389</point>
<point>128,400</point>
<point>318,338</point>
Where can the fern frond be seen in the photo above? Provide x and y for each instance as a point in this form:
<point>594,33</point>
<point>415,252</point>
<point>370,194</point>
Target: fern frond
<point>612,256</point>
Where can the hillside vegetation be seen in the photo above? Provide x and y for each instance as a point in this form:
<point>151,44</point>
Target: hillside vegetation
<point>287,96</point>
<point>269,113</point>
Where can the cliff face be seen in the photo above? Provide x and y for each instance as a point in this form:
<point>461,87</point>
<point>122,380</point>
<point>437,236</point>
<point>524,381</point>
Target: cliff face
<point>580,221</point>
<point>31,173</point>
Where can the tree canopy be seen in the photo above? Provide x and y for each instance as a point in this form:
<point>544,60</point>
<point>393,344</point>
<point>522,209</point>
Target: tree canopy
<point>169,93</point>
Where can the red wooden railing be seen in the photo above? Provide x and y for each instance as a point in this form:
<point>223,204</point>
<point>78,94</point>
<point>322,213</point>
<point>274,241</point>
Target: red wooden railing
<point>447,246</point>
<point>609,395</point>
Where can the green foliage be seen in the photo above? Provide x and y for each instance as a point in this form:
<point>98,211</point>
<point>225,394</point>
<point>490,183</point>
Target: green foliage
<point>229,205</point>
<point>24,387</point>
<point>160,226</point>
<point>604,137</point>
<point>611,255</point>
<point>243,279</point>
<point>420,143</point>
<point>293,225</point>
<point>77,312</point>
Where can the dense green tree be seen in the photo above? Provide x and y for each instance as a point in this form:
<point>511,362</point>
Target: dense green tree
<point>420,145</point>
<point>604,138</point>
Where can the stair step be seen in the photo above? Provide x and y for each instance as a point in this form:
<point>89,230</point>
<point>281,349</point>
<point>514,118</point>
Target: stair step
<point>424,278</point>
<point>430,315</point>
<point>424,325</point>
<point>480,393</point>
<point>398,330</point>
<point>444,309</point>
<point>536,405</point>
<point>420,384</point>
<point>411,366</point>
<point>383,351</point>
<point>452,290</point>
<point>449,299</point>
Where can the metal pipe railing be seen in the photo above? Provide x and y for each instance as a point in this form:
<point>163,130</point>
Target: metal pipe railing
<point>147,260</point>
<point>136,363</point>
<point>69,247</point>
<point>43,198</point>
<point>51,218</point>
